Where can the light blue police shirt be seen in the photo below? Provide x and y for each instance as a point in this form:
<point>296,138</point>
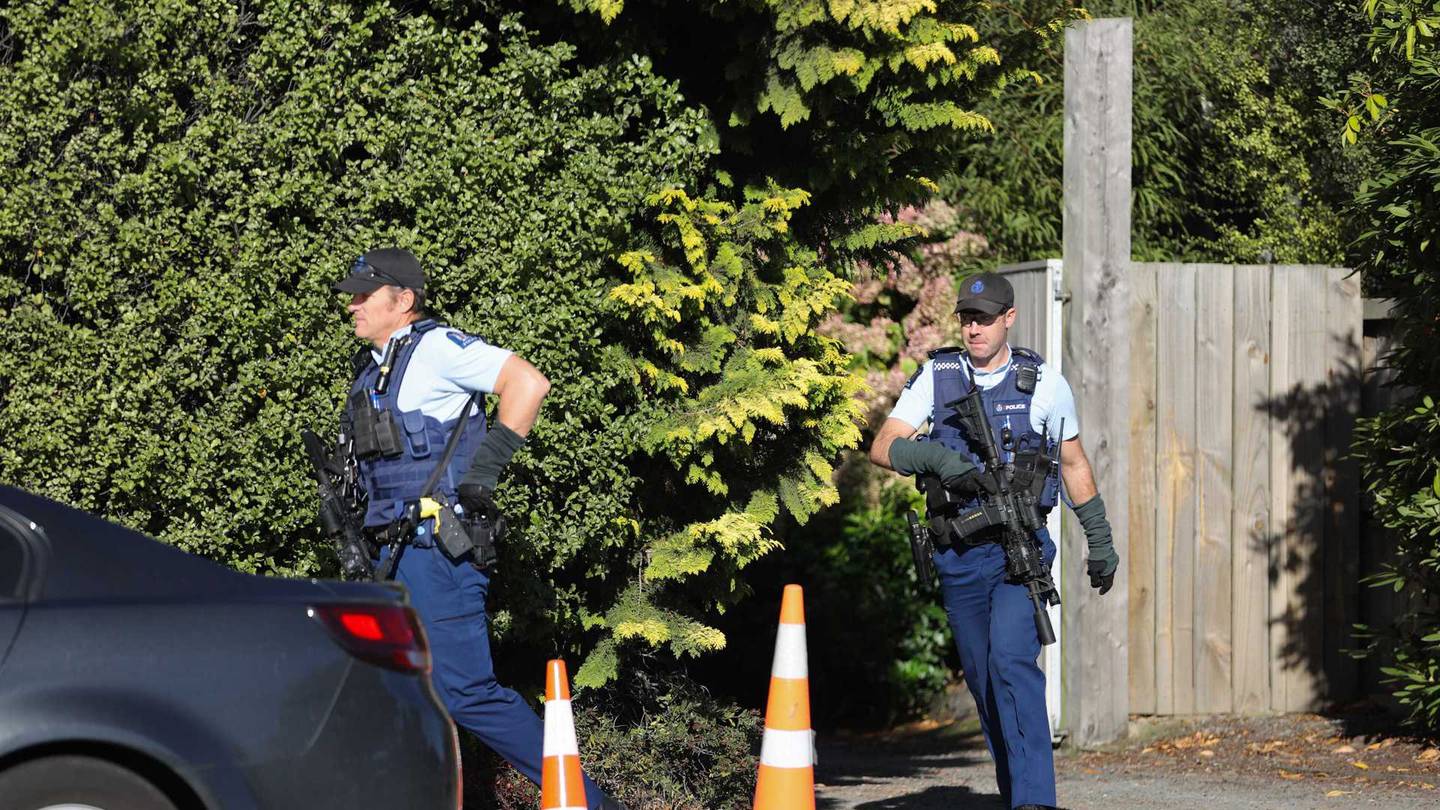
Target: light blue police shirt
<point>447,366</point>
<point>1052,401</point>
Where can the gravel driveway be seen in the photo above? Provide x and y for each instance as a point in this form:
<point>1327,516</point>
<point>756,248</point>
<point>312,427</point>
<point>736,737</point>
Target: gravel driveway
<point>1291,762</point>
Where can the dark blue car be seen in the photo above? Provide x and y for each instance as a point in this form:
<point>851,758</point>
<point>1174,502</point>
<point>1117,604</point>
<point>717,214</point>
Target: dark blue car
<point>134,676</point>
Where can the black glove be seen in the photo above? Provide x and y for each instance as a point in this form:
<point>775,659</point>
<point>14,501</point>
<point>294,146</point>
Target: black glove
<point>477,499</point>
<point>970,484</point>
<point>483,521</point>
<point>1099,577</point>
<point>499,444</point>
<point>909,457</point>
<point>1104,561</point>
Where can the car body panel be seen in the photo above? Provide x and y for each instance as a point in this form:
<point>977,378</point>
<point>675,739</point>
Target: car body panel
<point>224,678</point>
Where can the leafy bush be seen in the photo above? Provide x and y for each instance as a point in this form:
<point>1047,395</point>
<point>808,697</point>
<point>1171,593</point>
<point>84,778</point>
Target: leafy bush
<point>653,740</point>
<point>189,179</point>
<point>1393,108</point>
<point>669,743</point>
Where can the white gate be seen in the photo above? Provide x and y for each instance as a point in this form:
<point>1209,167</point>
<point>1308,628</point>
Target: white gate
<point>1039,302</point>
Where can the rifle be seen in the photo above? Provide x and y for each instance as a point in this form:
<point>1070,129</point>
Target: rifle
<point>340,526</point>
<point>1015,512</point>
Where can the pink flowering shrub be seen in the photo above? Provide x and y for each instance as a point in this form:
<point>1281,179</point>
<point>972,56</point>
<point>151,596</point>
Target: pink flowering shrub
<point>902,312</point>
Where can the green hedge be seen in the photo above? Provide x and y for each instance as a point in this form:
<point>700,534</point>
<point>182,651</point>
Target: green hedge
<point>179,187</point>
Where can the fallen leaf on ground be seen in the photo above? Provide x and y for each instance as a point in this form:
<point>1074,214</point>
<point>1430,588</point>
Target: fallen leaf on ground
<point>1330,794</point>
<point>1344,749</point>
<point>1428,755</point>
<point>1207,753</point>
<point>1291,776</point>
<point>1362,766</point>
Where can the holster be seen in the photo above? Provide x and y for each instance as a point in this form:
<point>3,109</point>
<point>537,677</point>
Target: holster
<point>452,536</point>
<point>484,534</point>
<point>470,537</point>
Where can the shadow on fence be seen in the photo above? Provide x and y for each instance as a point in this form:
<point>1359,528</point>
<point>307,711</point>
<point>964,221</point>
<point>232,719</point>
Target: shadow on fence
<point>1314,543</point>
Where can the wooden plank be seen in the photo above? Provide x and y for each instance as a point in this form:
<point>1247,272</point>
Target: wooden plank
<point>1344,316</point>
<point>1250,527</point>
<point>1281,522</point>
<point>1214,358</point>
<point>1140,564</point>
<point>1175,486</point>
<point>1097,140</point>
<point>1297,438</point>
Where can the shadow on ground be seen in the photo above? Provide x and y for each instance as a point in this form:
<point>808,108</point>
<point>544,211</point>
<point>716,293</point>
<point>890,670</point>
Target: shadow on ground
<point>929,769</point>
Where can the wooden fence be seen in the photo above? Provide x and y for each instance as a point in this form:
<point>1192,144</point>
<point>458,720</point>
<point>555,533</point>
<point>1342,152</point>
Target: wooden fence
<point>1244,526</point>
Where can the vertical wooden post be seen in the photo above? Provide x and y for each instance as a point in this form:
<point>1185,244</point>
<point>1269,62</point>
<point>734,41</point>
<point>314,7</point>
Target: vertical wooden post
<point>1097,265</point>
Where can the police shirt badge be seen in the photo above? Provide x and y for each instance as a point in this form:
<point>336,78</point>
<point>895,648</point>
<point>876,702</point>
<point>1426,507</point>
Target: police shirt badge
<point>460,338</point>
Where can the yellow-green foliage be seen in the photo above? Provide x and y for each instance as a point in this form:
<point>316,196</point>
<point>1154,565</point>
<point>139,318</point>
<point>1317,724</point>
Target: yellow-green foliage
<point>753,403</point>
<point>927,37</point>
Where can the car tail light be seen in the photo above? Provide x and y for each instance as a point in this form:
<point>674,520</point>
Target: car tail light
<point>385,635</point>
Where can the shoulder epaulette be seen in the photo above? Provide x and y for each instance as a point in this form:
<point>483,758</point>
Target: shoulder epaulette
<point>1027,355</point>
<point>945,350</point>
<point>422,326</point>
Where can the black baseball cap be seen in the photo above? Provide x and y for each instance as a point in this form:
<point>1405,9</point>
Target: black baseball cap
<point>377,268</point>
<point>989,293</point>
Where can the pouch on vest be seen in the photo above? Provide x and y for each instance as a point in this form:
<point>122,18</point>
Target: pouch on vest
<point>376,434</point>
<point>415,435</point>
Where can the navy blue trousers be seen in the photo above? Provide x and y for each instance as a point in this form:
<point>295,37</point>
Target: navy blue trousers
<point>450,599</point>
<point>994,627</point>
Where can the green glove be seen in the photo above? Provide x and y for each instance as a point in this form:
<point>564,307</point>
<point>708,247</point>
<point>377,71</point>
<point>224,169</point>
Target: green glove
<point>910,457</point>
<point>1103,559</point>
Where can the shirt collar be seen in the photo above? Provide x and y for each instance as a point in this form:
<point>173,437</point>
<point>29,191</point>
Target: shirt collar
<point>379,354</point>
<point>998,373</point>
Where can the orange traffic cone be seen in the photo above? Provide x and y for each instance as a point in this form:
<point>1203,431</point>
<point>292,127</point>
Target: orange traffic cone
<point>561,785</point>
<point>787,756</point>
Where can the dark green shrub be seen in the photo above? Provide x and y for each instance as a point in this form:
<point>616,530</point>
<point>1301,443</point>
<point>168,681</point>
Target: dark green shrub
<point>1392,109</point>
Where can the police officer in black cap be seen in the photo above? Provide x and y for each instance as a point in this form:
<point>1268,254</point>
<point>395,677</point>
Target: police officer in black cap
<point>415,386</point>
<point>1031,410</point>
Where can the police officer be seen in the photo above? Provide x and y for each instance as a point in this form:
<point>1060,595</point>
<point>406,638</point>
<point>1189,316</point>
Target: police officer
<point>992,620</point>
<point>413,387</point>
